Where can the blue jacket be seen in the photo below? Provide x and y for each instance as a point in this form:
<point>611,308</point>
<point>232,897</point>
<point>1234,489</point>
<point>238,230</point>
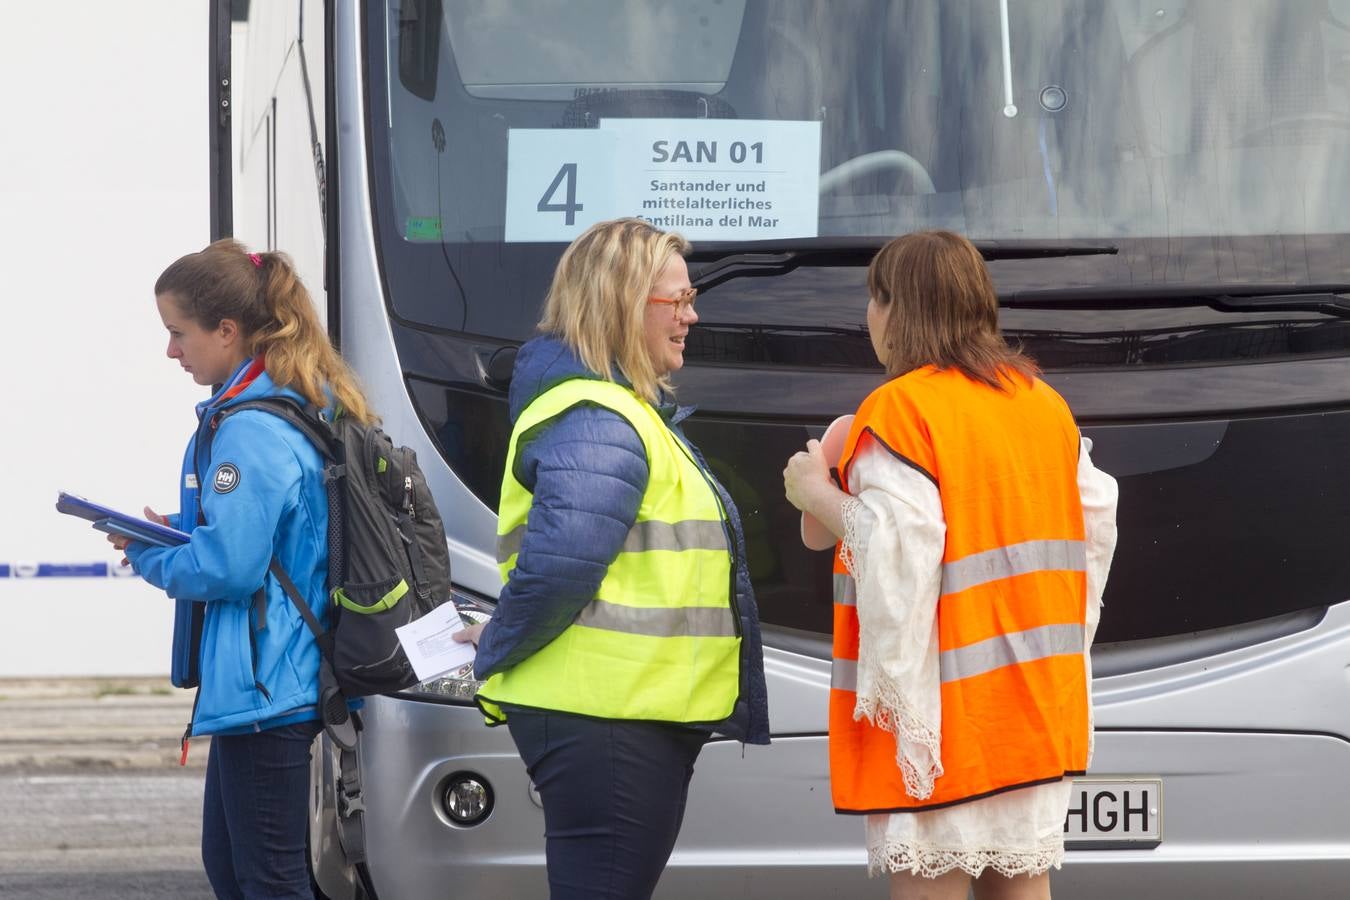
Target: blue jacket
<point>588,472</point>
<point>262,493</point>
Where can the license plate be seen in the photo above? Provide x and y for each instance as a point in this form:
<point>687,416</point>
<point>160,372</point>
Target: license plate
<point>1114,814</point>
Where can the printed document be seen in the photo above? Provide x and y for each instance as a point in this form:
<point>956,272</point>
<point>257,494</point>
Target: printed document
<point>428,643</point>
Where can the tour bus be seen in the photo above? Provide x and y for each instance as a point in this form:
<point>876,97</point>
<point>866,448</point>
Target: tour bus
<point>1160,190</point>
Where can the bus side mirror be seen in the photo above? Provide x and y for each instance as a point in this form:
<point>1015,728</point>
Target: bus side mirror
<point>500,368</point>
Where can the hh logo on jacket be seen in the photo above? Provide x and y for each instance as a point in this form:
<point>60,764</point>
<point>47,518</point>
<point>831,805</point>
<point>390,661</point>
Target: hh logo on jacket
<point>227,478</point>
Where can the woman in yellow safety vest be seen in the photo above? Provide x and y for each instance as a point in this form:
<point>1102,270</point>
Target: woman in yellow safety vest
<point>626,630</point>
<point>975,537</point>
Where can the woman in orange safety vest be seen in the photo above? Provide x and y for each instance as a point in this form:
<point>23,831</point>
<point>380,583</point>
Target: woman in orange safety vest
<point>975,537</point>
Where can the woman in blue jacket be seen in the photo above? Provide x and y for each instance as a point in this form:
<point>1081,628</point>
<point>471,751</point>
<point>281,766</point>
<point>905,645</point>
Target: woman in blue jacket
<point>626,633</point>
<point>251,488</point>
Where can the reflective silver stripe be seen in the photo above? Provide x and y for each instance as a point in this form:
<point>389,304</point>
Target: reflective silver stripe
<point>844,675</point>
<point>845,590</point>
<point>509,543</point>
<point>691,534</point>
<point>1015,559</point>
<point>684,621</point>
<point>1005,650</point>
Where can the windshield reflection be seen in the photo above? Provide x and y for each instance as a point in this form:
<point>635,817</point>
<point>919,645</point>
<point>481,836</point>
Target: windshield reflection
<point>1139,119</point>
<point>1209,140</point>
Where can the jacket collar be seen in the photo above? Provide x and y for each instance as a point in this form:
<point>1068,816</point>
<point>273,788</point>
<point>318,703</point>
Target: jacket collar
<point>671,411</point>
<point>250,381</point>
<point>545,361</point>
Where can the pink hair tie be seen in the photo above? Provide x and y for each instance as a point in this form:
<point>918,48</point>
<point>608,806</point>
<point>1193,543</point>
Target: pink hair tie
<point>256,260</point>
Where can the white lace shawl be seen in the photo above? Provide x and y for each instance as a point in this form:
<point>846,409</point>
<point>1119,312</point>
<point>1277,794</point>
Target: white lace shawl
<point>1099,494</point>
<point>894,534</point>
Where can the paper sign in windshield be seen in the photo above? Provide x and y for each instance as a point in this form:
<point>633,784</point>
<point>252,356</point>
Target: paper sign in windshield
<point>709,179</point>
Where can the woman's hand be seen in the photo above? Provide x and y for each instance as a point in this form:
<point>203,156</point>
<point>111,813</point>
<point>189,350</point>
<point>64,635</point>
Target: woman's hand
<point>120,541</point>
<point>808,486</point>
<point>807,477</point>
<point>469,634</point>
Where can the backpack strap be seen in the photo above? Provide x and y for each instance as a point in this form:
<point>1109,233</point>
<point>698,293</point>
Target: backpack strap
<point>312,423</point>
<point>342,726</point>
<point>351,806</point>
<point>321,637</point>
<point>308,418</point>
<point>332,704</point>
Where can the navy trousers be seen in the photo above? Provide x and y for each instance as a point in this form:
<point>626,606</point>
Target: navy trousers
<point>613,794</point>
<point>254,813</point>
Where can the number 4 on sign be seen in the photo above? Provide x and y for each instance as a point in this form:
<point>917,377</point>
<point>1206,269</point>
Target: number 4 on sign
<point>570,208</point>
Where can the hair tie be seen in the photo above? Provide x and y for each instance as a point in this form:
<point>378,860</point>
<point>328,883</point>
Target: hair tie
<point>256,259</point>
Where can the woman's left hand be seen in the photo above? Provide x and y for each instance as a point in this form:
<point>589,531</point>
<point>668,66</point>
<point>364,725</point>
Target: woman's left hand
<point>806,474</point>
<point>120,541</point>
<point>468,634</point>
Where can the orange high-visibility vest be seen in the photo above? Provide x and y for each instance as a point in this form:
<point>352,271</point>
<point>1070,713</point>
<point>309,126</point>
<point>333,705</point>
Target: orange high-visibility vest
<point>1013,601</point>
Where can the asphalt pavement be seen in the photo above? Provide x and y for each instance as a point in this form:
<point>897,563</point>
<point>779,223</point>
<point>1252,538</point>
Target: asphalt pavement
<point>93,802</point>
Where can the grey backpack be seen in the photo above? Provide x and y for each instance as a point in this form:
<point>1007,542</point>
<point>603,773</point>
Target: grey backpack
<point>388,562</point>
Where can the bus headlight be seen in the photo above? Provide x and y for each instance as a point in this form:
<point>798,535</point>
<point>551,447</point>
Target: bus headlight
<point>457,686</point>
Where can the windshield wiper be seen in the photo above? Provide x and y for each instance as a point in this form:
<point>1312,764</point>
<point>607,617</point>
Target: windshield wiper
<point>1332,299</point>
<point>1333,304</point>
<point>768,258</point>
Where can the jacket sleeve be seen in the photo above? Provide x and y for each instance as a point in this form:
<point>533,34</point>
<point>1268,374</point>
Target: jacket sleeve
<point>588,472</point>
<point>252,479</point>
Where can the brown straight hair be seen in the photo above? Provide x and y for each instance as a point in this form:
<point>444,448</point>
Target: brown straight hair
<point>942,309</point>
<point>263,293</point>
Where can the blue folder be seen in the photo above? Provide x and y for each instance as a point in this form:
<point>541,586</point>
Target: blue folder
<point>114,522</point>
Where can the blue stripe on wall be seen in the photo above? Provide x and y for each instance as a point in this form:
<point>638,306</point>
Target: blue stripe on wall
<point>64,570</point>
<point>72,570</point>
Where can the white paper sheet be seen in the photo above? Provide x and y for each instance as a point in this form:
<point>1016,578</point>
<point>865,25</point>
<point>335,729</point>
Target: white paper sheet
<point>428,643</point>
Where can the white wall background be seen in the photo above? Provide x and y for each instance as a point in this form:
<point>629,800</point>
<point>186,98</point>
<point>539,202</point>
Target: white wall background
<point>103,182</point>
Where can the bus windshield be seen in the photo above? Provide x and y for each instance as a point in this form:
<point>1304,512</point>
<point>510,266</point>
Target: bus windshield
<point>504,127</point>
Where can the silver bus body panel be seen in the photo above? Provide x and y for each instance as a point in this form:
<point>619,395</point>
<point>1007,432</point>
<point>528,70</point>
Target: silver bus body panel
<point>470,527</point>
<point>1245,778</point>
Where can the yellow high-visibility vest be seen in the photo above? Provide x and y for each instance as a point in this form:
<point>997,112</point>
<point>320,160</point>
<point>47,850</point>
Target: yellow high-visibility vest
<point>661,639</point>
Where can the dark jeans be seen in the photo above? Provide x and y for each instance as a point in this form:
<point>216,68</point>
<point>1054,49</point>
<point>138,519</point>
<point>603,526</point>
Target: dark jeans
<point>613,794</point>
<point>255,812</point>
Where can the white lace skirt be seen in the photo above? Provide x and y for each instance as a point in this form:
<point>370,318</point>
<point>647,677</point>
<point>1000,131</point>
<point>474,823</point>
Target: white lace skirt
<point>1020,832</point>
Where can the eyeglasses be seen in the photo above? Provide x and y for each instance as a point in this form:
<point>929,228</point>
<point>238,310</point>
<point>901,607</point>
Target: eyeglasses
<point>681,302</point>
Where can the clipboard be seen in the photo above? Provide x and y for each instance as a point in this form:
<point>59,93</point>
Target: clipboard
<point>111,521</point>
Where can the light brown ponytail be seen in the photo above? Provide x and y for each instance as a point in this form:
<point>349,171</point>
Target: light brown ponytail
<point>263,293</point>
<point>295,345</point>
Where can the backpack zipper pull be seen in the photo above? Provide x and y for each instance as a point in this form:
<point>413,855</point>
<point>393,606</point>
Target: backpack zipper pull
<point>187,736</point>
<point>408,496</point>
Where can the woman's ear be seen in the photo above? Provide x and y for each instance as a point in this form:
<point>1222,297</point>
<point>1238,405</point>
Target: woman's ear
<point>229,331</point>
